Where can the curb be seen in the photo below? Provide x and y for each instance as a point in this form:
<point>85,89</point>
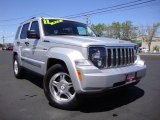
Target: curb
<point>149,54</point>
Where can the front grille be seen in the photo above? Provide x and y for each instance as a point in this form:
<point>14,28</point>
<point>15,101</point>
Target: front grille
<point>119,56</point>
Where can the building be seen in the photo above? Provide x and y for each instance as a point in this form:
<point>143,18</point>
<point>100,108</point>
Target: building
<point>155,42</point>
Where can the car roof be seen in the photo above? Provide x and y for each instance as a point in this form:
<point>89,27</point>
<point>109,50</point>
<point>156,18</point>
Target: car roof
<point>40,18</point>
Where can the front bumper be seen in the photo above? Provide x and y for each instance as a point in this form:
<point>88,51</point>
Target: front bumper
<point>96,80</point>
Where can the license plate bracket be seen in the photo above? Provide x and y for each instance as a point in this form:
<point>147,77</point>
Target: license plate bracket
<point>131,77</point>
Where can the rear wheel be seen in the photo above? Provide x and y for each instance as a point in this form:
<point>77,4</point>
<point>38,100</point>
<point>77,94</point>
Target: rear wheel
<point>59,89</point>
<point>17,69</point>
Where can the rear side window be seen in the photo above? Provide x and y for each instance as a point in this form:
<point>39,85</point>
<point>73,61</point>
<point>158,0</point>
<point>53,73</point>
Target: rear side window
<point>35,27</point>
<point>24,31</point>
<point>17,33</point>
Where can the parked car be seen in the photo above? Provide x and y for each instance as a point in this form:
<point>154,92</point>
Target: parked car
<point>10,48</point>
<point>145,50</point>
<point>3,48</point>
<point>73,60</point>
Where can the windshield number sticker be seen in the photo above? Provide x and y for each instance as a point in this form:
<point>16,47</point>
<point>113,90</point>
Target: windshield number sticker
<point>47,22</point>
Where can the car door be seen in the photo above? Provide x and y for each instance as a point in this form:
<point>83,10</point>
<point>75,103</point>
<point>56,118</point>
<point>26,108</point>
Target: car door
<point>24,44</point>
<point>37,50</point>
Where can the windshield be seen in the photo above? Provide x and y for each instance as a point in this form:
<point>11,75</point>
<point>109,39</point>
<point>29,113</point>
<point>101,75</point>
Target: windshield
<point>64,27</point>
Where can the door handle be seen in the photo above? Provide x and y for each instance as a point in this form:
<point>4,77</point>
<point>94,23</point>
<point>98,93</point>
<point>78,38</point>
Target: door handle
<point>27,43</point>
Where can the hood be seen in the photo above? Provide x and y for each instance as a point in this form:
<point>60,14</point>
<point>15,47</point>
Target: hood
<point>85,41</point>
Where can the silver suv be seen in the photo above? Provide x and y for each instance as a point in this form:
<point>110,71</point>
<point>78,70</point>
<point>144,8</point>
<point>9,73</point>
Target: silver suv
<point>73,60</point>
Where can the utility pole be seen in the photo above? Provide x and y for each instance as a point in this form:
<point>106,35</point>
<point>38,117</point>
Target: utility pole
<point>3,40</point>
<point>87,19</point>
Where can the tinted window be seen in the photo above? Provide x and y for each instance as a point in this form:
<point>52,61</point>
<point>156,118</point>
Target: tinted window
<point>24,31</point>
<point>35,27</point>
<point>17,33</point>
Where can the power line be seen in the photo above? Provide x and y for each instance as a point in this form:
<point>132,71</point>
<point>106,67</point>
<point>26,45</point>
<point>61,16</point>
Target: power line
<point>12,19</point>
<point>9,36</point>
<point>79,14</point>
<point>9,24</point>
<point>123,7</point>
<point>18,18</point>
<point>82,13</point>
<point>92,12</point>
<point>113,8</point>
<point>89,13</point>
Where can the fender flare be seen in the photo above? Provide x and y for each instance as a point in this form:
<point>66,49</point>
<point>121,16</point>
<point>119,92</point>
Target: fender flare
<point>68,56</point>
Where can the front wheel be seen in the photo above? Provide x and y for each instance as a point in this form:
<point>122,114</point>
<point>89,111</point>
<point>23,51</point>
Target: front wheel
<point>58,88</point>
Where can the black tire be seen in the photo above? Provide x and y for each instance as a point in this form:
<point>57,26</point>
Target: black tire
<point>54,92</point>
<point>17,69</point>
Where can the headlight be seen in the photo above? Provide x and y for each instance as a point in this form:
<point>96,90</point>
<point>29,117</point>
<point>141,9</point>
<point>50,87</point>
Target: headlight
<point>97,55</point>
<point>136,48</point>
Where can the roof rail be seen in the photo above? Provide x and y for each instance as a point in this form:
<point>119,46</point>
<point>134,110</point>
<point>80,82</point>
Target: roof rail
<point>28,19</point>
<point>33,17</point>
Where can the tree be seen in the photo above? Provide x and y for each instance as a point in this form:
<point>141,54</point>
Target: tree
<point>125,30</point>
<point>116,28</point>
<point>128,31</point>
<point>113,31</point>
<point>99,29</point>
<point>148,34</point>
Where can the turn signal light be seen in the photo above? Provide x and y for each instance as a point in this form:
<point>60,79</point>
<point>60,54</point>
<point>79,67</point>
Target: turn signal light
<point>79,75</point>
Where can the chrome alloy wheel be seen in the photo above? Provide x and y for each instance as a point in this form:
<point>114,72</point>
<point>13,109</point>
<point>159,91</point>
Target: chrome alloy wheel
<point>16,67</point>
<point>61,87</point>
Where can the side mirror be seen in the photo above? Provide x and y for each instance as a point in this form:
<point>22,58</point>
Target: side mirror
<point>32,34</point>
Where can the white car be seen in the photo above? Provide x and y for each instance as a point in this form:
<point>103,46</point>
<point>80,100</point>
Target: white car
<point>145,50</point>
<point>73,60</point>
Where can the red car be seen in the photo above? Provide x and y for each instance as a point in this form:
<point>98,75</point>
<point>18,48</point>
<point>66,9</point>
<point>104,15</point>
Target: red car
<point>10,48</point>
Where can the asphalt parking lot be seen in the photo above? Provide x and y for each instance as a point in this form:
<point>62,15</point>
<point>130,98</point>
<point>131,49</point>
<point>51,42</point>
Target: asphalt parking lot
<point>24,99</point>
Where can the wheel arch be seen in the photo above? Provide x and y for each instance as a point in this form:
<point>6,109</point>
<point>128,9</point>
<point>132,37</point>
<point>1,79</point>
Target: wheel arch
<point>53,61</point>
<point>19,57</point>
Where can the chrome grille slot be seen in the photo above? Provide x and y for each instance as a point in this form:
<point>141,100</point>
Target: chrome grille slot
<point>123,56</point>
<point>114,57</point>
<point>109,57</point>
<point>119,56</point>
<point>126,55</point>
<point>132,55</point>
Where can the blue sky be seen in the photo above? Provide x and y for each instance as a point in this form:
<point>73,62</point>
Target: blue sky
<point>24,9</point>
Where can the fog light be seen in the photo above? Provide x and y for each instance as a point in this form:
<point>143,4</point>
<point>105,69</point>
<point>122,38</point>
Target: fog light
<point>141,63</point>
